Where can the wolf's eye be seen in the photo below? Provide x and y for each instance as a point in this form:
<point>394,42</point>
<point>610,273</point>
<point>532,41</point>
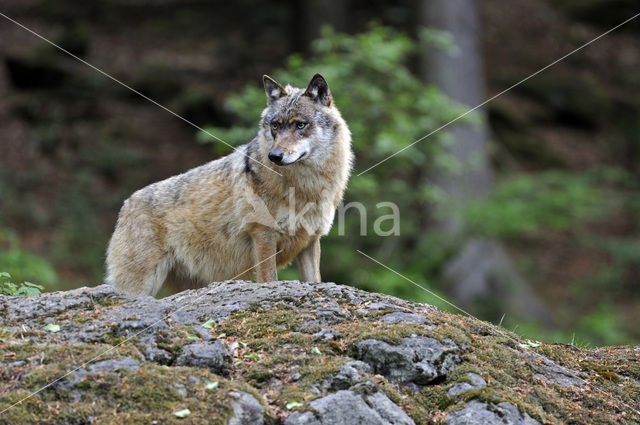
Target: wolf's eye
<point>301,125</point>
<point>274,126</point>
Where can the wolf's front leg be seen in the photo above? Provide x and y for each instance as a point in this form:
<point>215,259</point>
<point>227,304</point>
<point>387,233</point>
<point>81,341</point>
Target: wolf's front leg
<point>264,254</point>
<point>309,262</point>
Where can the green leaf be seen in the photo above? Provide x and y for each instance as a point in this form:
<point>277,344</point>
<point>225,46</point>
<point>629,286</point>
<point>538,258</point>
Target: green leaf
<point>212,385</point>
<point>8,288</point>
<point>26,291</point>
<point>315,350</point>
<point>252,356</point>
<point>51,327</point>
<point>293,404</point>
<point>530,344</point>
<point>182,413</point>
<point>222,335</point>
<point>209,324</point>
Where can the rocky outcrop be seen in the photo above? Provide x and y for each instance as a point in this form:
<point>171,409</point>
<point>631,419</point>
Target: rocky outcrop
<point>291,353</point>
<point>349,407</point>
<point>416,359</point>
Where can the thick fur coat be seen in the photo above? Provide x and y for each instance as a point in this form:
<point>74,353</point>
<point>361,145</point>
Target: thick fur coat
<point>246,214</point>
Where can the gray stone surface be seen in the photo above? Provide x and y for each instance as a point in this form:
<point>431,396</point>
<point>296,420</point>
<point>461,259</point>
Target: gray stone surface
<point>417,359</point>
<point>386,306</point>
<point>475,382</point>
<point>213,355</point>
<point>103,366</point>
<point>348,375</point>
<point>143,318</point>
<point>349,408</point>
<point>246,409</point>
<point>328,316</point>
<point>388,411</point>
<point>549,371</point>
<point>153,353</point>
<point>479,413</point>
<point>111,365</point>
<point>326,334</point>
<point>402,317</point>
<point>131,315</point>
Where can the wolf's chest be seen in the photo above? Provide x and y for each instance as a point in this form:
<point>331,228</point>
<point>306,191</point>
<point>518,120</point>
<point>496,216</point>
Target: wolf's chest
<point>291,212</point>
<point>310,218</point>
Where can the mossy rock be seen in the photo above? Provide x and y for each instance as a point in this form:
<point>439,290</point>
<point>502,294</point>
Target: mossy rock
<point>294,353</point>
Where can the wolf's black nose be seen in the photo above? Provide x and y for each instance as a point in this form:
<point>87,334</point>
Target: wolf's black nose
<point>276,156</point>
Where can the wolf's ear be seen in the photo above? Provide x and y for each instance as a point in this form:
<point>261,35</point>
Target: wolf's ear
<point>273,90</point>
<point>318,90</point>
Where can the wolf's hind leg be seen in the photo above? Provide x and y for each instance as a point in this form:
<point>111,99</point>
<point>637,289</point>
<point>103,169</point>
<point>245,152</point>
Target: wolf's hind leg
<point>136,260</point>
<point>138,277</point>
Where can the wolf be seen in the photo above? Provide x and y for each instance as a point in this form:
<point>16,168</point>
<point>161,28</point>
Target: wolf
<point>244,215</point>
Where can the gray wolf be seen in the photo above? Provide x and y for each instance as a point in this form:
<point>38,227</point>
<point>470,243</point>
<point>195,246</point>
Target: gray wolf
<point>246,214</point>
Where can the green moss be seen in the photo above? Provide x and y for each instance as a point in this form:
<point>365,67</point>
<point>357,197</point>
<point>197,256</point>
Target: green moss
<point>173,339</point>
<point>122,396</point>
<point>391,333</point>
<point>260,323</point>
<point>109,301</point>
<point>312,371</point>
<point>259,375</point>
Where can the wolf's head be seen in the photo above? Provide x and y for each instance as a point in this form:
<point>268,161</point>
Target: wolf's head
<point>298,124</point>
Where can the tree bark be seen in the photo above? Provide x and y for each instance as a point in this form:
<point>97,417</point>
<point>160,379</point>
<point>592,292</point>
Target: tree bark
<point>482,269</point>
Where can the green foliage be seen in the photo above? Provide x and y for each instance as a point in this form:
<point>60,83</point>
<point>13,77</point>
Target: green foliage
<point>23,265</point>
<point>526,203</point>
<point>603,326</point>
<point>26,289</point>
<point>76,209</point>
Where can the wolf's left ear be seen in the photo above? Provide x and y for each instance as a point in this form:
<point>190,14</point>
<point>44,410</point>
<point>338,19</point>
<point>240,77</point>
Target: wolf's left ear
<point>318,90</point>
<point>273,89</point>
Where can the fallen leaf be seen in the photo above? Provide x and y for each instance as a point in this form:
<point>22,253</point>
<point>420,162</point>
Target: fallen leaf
<point>182,413</point>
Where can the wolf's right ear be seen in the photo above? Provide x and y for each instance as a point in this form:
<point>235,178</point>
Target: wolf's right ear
<point>273,89</point>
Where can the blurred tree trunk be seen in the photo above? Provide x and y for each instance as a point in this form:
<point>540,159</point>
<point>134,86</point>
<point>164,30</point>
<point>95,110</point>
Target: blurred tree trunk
<point>312,15</point>
<point>482,270</point>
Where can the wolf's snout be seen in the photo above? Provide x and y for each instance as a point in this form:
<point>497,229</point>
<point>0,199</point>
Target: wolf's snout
<point>276,156</point>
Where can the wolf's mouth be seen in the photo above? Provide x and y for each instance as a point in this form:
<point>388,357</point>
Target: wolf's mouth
<point>302,155</point>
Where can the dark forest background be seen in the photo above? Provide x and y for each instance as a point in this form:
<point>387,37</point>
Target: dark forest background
<point>525,212</point>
